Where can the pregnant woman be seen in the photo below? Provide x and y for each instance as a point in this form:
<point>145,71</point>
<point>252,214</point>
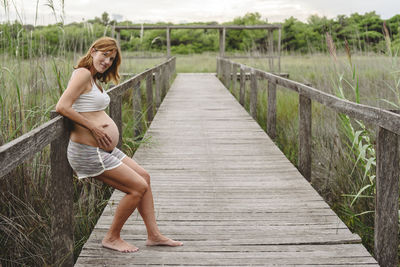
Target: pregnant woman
<point>92,148</point>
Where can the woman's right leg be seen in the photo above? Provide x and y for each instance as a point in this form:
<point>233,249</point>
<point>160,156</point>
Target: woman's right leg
<point>126,180</point>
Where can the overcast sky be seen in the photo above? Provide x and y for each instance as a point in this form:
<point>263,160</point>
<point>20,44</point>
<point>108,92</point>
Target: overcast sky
<point>177,11</point>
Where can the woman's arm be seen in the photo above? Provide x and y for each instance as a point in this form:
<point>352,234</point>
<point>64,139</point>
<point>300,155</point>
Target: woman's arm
<point>79,82</point>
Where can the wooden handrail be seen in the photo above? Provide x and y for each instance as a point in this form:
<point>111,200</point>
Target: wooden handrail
<point>56,133</point>
<point>387,154</point>
<point>380,117</point>
<point>234,27</point>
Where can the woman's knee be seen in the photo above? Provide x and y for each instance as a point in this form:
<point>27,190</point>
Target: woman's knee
<point>146,177</point>
<point>139,188</point>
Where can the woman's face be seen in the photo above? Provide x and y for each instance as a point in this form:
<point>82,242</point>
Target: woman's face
<point>102,60</point>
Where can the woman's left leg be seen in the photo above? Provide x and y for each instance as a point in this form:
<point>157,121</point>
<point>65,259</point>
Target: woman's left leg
<point>146,210</point>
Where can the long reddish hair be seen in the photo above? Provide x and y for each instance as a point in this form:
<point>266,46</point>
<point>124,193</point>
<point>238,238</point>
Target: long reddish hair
<point>103,44</point>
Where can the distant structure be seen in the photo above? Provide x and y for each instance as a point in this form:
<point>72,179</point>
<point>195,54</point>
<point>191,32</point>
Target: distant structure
<point>117,17</point>
<point>271,55</point>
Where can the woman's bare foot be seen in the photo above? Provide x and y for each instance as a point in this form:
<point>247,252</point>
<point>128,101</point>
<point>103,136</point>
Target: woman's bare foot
<point>163,241</point>
<point>118,245</point>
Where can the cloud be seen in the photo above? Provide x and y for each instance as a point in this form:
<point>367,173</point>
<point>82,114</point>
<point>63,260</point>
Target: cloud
<point>200,10</point>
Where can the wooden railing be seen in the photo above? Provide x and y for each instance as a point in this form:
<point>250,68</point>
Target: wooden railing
<point>387,156</point>
<point>55,132</point>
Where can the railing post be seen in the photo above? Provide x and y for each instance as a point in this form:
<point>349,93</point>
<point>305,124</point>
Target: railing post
<point>61,201</point>
<point>271,109</point>
<point>174,65</point>
<point>168,42</point>
<point>116,115</point>
<point>386,199</point>
<point>279,50</point>
<point>253,94</point>
<point>228,69</point>
<point>234,79</point>
<point>271,50</point>
<point>157,85</point>
<point>222,66</point>
<point>149,90</point>
<point>218,67</point>
<point>222,42</point>
<point>137,109</point>
<point>242,85</point>
<point>305,136</point>
<point>167,77</point>
<point>163,81</point>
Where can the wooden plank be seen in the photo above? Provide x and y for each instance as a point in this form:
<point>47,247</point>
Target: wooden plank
<point>227,80</point>
<point>137,109</point>
<point>163,81</point>
<point>168,32</point>
<point>253,95</point>
<point>222,33</point>
<point>235,27</point>
<point>242,86</point>
<point>271,50</point>
<point>279,50</point>
<point>61,195</point>
<point>271,110</point>
<point>305,136</point>
<point>157,85</point>
<point>22,148</point>
<point>222,187</point>
<point>234,80</point>
<point>386,199</point>
<point>150,101</point>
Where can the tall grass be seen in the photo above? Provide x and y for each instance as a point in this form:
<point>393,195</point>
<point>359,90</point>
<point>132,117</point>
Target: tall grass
<point>31,83</point>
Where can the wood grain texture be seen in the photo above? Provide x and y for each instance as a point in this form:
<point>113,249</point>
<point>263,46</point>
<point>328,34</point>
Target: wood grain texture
<point>271,110</point>
<point>386,200</point>
<point>220,27</point>
<point>222,33</point>
<point>61,196</point>
<point>22,148</point>
<point>253,95</point>
<point>149,97</point>
<point>222,187</point>
<point>242,89</point>
<point>305,149</point>
<point>137,109</point>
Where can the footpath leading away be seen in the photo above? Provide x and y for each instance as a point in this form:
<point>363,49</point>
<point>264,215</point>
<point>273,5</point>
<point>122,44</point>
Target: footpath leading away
<point>223,188</point>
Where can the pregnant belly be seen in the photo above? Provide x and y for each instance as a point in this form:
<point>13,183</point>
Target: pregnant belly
<point>82,135</point>
<point>112,131</point>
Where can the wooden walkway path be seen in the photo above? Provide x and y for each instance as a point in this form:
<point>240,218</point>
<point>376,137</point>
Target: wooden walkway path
<point>223,188</point>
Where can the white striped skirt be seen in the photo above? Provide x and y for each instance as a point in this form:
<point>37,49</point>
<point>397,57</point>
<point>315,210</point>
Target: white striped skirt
<point>90,161</point>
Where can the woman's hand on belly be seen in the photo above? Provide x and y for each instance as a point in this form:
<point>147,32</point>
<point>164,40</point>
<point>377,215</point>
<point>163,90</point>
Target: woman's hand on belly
<point>100,134</point>
<point>103,132</point>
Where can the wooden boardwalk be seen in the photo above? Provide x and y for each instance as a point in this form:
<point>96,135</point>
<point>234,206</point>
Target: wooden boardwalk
<point>223,188</point>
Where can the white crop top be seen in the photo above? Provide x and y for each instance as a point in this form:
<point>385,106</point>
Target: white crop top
<point>95,100</point>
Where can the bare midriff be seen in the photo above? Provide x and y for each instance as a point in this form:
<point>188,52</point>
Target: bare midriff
<point>82,135</point>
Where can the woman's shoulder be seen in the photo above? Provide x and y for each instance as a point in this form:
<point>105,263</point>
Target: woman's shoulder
<point>81,80</point>
<point>83,72</point>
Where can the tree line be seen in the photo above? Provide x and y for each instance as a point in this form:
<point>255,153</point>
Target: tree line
<point>367,32</point>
